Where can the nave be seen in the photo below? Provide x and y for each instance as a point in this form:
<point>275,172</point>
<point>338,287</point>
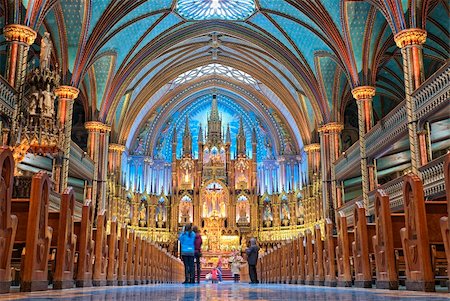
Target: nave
<point>226,291</point>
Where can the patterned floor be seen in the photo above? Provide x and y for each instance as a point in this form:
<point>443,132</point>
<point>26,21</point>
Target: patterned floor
<point>226,291</point>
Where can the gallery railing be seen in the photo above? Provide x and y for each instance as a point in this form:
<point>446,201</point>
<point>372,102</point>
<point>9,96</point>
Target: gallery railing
<point>433,181</point>
<point>432,96</point>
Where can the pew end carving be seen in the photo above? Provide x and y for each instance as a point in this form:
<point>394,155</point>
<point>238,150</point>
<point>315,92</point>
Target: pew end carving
<point>38,237</point>
<point>362,246</point>
<point>329,258</point>
<point>85,247</point>
<point>67,240</point>
<point>100,251</point>
<point>383,243</point>
<point>8,222</point>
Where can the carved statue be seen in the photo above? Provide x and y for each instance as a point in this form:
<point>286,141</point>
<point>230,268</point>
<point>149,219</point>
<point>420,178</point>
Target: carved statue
<point>46,50</point>
<point>48,103</point>
<point>34,100</point>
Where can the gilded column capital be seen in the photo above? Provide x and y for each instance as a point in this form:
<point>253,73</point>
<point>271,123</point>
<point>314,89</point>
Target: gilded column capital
<point>411,36</point>
<point>363,92</point>
<point>314,147</point>
<point>116,147</point>
<point>19,33</point>
<point>67,92</point>
<point>97,126</point>
<point>331,127</point>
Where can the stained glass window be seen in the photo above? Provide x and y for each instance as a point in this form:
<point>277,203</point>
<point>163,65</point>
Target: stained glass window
<point>215,69</point>
<point>234,10</point>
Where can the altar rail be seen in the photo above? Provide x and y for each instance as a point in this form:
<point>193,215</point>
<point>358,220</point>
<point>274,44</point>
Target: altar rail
<point>8,98</point>
<point>433,184</point>
<point>433,95</point>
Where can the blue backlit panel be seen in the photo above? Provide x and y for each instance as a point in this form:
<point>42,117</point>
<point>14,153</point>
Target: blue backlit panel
<point>233,10</point>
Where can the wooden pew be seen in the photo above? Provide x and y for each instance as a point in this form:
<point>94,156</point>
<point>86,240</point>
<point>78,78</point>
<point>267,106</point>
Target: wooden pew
<point>38,236</point>
<point>123,256</point>
<point>385,240</point>
<point>309,260</point>
<point>362,247</point>
<point>301,260</point>
<point>66,244</point>
<point>138,259</point>
<point>445,221</point>
<point>8,222</point>
<point>420,232</point>
<point>113,254</point>
<point>289,261</point>
<point>284,262</point>
<point>343,250</point>
<point>145,262</point>
<point>131,257</point>
<point>100,251</point>
<point>85,247</point>
<point>319,277</point>
<point>329,258</point>
<point>294,261</point>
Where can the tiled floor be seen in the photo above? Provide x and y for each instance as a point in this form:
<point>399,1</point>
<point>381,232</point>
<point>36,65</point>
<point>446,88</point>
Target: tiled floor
<point>226,291</point>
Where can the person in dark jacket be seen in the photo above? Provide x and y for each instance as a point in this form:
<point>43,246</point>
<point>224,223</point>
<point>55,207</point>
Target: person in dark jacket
<point>187,238</point>
<point>197,251</point>
<point>252,259</point>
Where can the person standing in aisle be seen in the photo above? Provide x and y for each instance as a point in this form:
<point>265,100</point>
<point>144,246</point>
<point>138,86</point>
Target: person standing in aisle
<point>187,238</point>
<point>252,259</point>
<point>219,268</point>
<point>197,251</point>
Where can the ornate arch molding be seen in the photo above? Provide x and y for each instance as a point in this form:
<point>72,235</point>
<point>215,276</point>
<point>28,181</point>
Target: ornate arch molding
<point>286,98</point>
<point>159,46</point>
<point>248,98</point>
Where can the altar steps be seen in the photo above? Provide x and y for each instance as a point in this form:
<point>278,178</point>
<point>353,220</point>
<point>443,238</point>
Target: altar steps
<point>226,274</point>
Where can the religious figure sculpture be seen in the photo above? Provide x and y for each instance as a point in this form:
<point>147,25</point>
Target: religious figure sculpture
<point>46,50</point>
<point>34,100</point>
<point>48,103</point>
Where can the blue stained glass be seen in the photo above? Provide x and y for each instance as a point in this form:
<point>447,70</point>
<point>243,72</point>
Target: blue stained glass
<point>233,10</point>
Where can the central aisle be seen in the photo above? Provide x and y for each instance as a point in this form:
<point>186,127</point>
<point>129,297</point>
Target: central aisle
<point>224,292</point>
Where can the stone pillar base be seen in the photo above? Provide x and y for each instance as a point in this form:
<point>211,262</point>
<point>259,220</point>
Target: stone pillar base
<point>309,282</point>
<point>344,284</point>
<point>331,283</point>
<point>33,286</point>
<point>130,282</point>
<point>363,283</point>
<point>4,287</point>
<point>122,282</point>
<point>83,283</point>
<point>299,281</point>
<point>420,286</point>
<point>319,282</point>
<point>391,285</point>
<point>59,285</point>
<point>111,282</point>
<point>99,282</point>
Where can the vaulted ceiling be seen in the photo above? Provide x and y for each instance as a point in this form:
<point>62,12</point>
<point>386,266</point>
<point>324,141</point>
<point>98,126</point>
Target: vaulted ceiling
<point>304,57</point>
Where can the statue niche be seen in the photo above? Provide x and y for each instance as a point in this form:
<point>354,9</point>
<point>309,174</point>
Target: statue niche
<point>186,210</point>
<point>214,201</point>
<point>243,210</point>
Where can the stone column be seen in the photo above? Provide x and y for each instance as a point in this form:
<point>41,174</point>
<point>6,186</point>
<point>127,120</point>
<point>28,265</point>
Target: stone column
<point>330,148</point>
<point>364,96</point>
<point>19,38</point>
<point>67,96</point>
<point>424,148</point>
<point>98,141</point>
<point>410,42</point>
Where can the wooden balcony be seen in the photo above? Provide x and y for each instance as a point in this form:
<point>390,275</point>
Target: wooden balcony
<point>430,99</point>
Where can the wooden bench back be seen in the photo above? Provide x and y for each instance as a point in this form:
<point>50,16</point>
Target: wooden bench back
<point>8,222</point>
